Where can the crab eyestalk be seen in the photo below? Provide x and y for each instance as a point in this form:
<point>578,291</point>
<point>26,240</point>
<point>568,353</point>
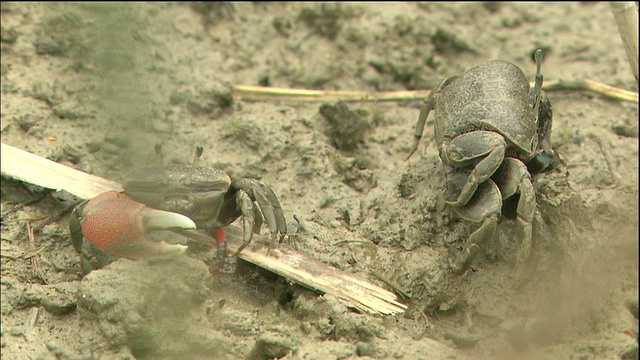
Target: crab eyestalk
<point>538,84</point>
<point>199,151</point>
<point>160,154</point>
<point>158,150</point>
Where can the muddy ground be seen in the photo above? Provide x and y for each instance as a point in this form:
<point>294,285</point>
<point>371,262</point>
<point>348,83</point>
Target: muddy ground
<point>94,87</point>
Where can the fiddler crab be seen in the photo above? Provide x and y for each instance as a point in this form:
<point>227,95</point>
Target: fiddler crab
<point>195,202</point>
<point>493,132</point>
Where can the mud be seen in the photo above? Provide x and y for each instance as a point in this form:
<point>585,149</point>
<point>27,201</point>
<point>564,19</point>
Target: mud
<point>95,87</point>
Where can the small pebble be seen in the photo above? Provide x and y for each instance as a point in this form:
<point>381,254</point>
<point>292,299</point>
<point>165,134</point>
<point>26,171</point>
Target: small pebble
<point>364,349</point>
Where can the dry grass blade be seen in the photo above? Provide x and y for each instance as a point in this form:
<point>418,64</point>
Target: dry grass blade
<point>259,93</point>
<point>593,86</point>
<point>32,247</point>
<point>25,255</point>
<point>392,284</point>
<point>29,325</point>
<point>282,260</point>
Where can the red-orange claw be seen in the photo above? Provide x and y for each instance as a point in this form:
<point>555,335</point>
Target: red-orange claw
<point>118,225</point>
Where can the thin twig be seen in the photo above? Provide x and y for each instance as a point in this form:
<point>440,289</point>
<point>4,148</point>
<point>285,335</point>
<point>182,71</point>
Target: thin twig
<point>607,159</point>
<point>437,316</point>
<point>347,242</point>
<point>426,325</point>
<point>321,218</point>
<point>25,203</point>
<point>391,284</point>
<point>26,254</point>
<point>336,249</point>
<point>19,219</point>
<point>32,247</point>
<point>53,218</point>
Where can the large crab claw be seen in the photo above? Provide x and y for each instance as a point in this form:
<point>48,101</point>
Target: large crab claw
<point>117,225</point>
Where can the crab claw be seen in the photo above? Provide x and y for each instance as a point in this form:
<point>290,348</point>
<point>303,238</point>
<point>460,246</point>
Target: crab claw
<point>118,225</point>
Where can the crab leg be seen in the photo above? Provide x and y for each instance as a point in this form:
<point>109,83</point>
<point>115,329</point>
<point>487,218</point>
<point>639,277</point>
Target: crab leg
<point>514,178</point>
<point>487,148</point>
<point>254,200</point>
<point>268,202</point>
<point>247,207</point>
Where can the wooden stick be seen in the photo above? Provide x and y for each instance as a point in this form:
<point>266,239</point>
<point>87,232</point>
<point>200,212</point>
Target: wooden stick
<point>282,260</point>
<point>260,93</point>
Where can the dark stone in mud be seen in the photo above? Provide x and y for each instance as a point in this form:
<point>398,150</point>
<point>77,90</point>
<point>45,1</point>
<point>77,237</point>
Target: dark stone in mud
<point>626,129</point>
<point>630,352</point>
<point>212,100</point>
<point>269,347</point>
<point>346,128</point>
<point>365,349</point>
<point>93,145</point>
<point>361,180</point>
<point>326,19</point>
<point>492,6</point>
<point>407,186</point>
<point>69,111</point>
<point>462,340</point>
<point>632,305</point>
<point>26,122</point>
<point>8,35</point>
<point>58,299</point>
<point>118,140</point>
<point>53,47</point>
<point>73,154</point>
<point>213,12</point>
<point>448,43</point>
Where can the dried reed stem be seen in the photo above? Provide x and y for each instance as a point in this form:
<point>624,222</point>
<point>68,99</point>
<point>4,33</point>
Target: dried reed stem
<point>259,93</point>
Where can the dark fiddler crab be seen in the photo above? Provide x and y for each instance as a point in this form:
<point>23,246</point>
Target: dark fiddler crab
<point>493,131</point>
<point>197,202</point>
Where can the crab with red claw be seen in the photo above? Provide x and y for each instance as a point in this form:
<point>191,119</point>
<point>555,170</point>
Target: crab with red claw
<point>192,201</point>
